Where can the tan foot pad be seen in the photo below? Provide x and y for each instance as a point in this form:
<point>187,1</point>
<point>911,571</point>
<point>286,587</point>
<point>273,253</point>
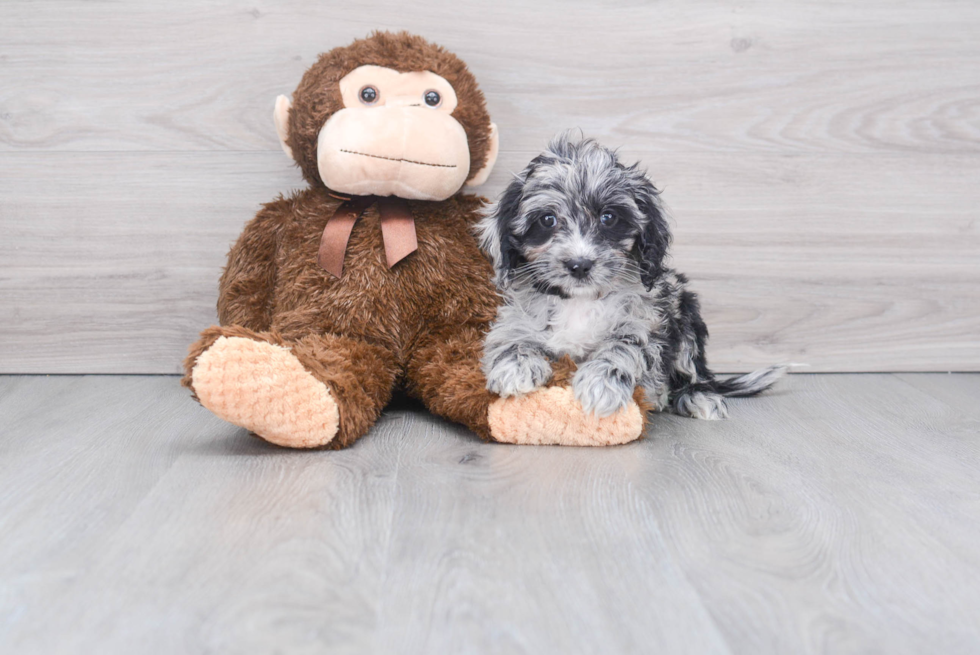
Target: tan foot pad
<point>264,388</point>
<point>552,416</point>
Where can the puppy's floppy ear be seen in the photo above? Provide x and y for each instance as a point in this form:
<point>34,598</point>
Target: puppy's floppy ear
<point>652,243</point>
<point>496,234</point>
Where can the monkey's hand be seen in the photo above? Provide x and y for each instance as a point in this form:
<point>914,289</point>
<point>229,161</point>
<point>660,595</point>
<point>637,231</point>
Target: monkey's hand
<point>602,388</point>
<point>514,372</point>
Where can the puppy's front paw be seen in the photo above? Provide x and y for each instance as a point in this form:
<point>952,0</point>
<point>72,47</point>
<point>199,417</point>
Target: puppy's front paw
<point>516,373</point>
<point>601,388</point>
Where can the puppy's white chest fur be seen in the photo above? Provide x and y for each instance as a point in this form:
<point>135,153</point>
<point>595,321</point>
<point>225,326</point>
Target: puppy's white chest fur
<point>577,325</point>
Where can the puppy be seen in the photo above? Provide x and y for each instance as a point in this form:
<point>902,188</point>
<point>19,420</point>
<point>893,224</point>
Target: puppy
<point>578,241</point>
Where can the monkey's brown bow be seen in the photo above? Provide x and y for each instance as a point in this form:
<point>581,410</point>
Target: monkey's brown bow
<point>397,231</point>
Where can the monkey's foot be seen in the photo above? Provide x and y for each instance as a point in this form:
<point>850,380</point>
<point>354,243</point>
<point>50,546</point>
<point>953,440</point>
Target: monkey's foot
<point>264,388</point>
<point>553,416</point>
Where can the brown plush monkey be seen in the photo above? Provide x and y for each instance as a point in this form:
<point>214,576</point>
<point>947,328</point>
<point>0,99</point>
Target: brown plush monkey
<point>370,278</point>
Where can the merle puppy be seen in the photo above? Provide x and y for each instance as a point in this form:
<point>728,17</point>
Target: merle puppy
<point>579,241</point>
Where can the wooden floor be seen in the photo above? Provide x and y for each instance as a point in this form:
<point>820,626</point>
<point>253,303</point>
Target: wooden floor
<point>838,514</point>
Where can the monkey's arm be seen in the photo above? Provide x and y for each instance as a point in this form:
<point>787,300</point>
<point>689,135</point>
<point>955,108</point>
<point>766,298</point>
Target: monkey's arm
<point>247,286</point>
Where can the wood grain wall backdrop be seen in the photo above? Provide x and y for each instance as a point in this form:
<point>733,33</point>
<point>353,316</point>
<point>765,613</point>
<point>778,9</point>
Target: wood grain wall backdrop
<point>821,160</point>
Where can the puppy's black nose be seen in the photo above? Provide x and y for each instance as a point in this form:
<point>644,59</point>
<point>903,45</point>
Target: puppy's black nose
<point>579,268</point>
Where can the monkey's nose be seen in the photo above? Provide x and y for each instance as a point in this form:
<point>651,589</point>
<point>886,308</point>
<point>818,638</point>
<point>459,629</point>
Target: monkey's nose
<point>580,267</point>
<point>403,101</point>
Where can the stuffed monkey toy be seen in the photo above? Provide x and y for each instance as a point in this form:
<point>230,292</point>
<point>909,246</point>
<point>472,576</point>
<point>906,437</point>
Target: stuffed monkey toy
<point>371,277</point>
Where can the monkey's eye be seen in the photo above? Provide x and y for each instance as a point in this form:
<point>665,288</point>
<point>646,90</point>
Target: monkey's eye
<point>548,220</point>
<point>368,95</point>
<point>432,98</point>
<point>608,219</point>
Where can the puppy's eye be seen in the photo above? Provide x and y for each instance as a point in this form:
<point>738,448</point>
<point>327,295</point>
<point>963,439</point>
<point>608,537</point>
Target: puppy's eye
<point>368,95</point>
<point>548,220</point>
<point>608,219</point>
<point>432,98</point>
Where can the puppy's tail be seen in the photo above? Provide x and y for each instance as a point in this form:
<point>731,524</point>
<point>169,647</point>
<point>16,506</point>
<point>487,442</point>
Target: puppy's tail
<point>750,384</point>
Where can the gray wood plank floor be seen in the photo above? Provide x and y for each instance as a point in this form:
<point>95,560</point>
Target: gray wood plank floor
<point>837,514</point>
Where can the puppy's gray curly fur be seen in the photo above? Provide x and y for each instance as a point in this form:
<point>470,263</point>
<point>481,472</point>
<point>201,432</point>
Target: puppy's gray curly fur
<point>629,321</point>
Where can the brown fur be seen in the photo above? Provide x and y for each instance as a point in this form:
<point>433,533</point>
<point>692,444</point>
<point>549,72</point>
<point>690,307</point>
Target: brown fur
<point>419,324</point>
<point>318,95</point>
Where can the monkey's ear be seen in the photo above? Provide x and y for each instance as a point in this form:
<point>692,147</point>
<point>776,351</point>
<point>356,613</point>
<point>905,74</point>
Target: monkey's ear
<point>280,116</point>
<point>493,147</point>
<point>496,232</point>
<point>652,244</point>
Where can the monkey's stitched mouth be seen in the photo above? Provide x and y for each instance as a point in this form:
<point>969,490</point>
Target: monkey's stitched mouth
<point>407,161</point>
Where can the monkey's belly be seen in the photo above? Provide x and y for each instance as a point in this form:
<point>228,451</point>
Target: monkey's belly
<point>369,302</point>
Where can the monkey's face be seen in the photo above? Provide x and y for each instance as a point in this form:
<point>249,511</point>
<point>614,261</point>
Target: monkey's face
<point>371,129</point>
<point>395,135</point>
